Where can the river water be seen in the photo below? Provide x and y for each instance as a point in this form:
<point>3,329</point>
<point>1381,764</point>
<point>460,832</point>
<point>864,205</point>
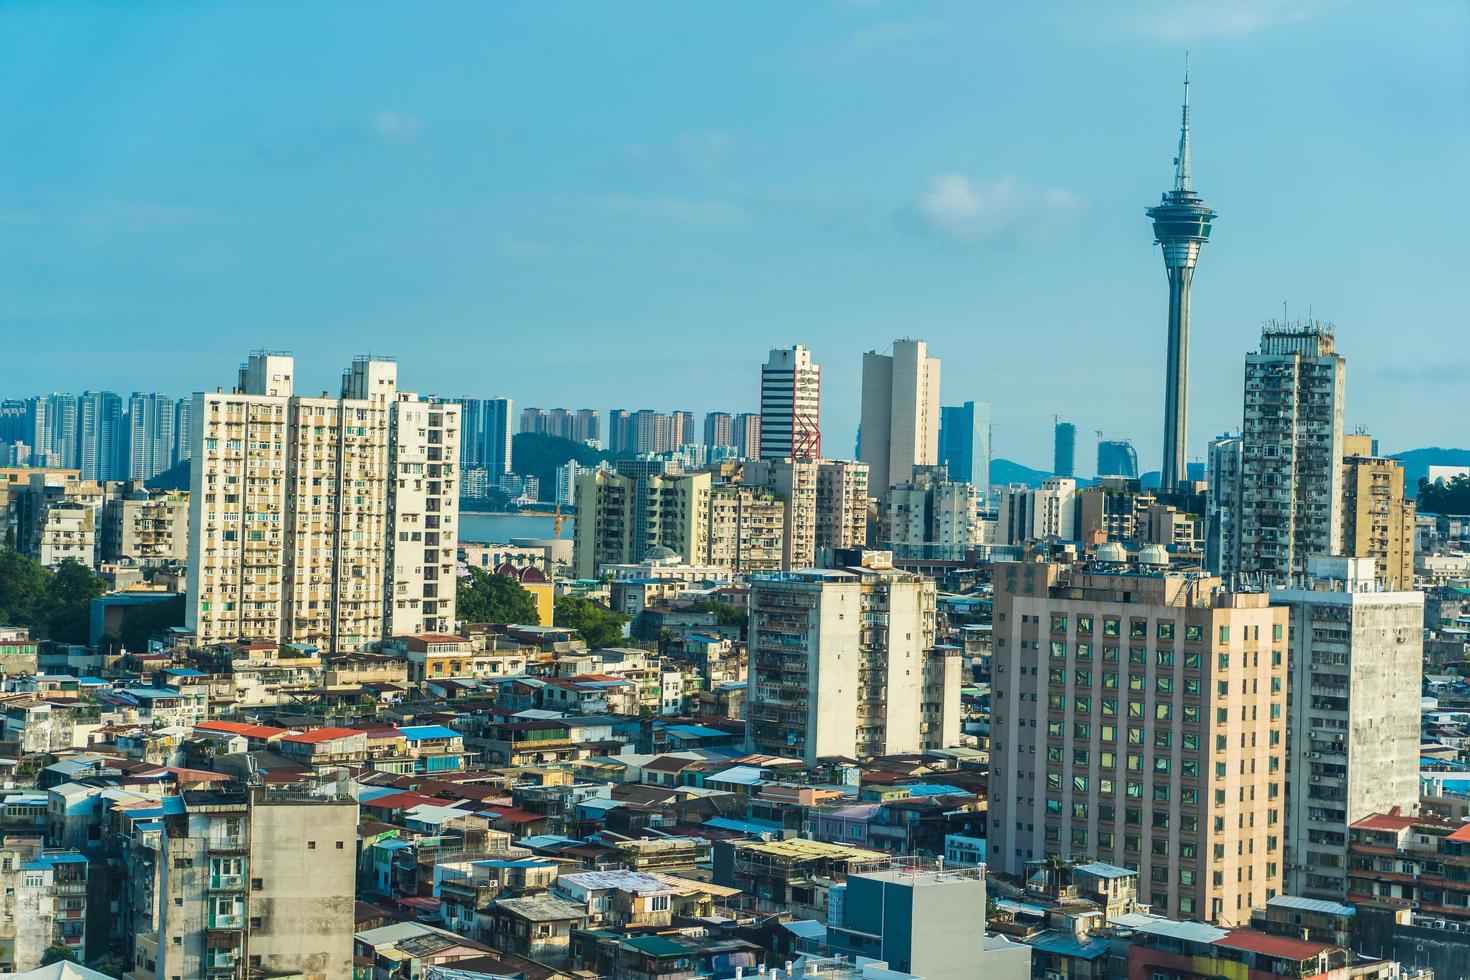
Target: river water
<point>500,528</point>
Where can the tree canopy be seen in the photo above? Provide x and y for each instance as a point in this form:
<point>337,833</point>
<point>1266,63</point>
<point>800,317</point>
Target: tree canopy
<point>1444,498</point>
<point>726,613</point>
<point>53,605</point>
<point>488,598</point>
<point>598,625</point>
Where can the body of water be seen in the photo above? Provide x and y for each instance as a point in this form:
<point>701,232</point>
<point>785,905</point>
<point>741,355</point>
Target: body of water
<point>500,528</point>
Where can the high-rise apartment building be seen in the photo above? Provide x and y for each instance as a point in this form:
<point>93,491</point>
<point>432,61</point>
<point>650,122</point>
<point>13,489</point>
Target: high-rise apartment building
<point>836,662</point>
<point>1047,513</point>
<point>328,521</point>
<point>145,527</point>
<point>152,434</point>
<point>623,515</point>
<point>745,529</point>
<point>53,426</point>
<point>13,427</point>
<point>101,437</point>
<point>586,426</point>
<point>1377,519</point>
<point>931,518</point>
<point>472,433</point>
<point>183,430</point>
<point>244,883</point>
<point>1291,451</point>
<point>1116,457</point>
<point>719,429</point>
<point>1181,226</point>
<point>900,413</point>
<point>1356,654</point>
<point>1222,505</point>
<point>746,435</point>
<point>964,444</point>
<point>1064,449</point>
<point>791,406</point>
<point>1139,717</point>
<point>842,508</point>
<point>495,436</point>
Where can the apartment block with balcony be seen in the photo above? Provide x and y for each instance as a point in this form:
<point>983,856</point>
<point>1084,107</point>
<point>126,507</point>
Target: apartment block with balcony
<point>1356,654</point>
<point>837,662</point>
<point>1139,717</point>
<point>297,530</point>
<point>240,882</point>
<point>43,902</point>
<point>145,527</point>
<point>1377,519</point>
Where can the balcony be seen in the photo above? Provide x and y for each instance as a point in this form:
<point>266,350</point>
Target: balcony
<point>226,883</point>
<point>231,920</point>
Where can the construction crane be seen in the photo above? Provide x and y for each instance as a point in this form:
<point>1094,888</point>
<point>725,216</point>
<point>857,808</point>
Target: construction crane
<point>557,521</point>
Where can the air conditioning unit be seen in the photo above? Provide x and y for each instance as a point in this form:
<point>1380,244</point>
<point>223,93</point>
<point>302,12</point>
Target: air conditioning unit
<point>1314,755</point>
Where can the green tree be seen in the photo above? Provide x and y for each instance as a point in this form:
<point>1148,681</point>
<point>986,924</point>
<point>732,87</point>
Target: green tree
<point>22,589</point>
<point>1444,498</point>
<point>487,598</point>
<point>58,954</point>
<point>67,607</point>
<point>594,623</point>
<point>726,613</point>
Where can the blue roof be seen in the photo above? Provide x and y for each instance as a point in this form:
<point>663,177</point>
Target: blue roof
<point>1311,905</point>
<point>1066,944</point>
<point>416,733</point>
<point>149,693</point>
<point>933,789</point>
<point>367,794</point>
<point>184,672</point>
<point>741,826</point>
<point>695,731</point>
<point>520,863</point>
<point>1101,869</point>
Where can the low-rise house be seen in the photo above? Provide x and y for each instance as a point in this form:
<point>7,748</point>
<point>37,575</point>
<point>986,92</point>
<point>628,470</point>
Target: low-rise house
<point>538,928</point>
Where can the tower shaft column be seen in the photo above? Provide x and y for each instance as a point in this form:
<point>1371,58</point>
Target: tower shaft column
<point>1176,385</point>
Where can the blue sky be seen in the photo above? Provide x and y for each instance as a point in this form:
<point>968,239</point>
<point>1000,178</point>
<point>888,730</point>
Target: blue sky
<point>626,204</point>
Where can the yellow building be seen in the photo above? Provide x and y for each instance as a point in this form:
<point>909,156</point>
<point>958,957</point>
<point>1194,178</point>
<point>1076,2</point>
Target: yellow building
<point>1378,521</point>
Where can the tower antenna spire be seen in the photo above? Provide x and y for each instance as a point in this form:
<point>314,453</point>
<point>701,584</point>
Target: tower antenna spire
<point>1181,162</point>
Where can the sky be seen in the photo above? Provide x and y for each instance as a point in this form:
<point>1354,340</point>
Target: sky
<point>627,204</point>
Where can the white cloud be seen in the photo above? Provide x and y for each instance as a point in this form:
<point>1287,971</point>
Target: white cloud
<point>955,207</point>
<point>703,151</point>
<point>1179,22</point>
<point>395,127</point>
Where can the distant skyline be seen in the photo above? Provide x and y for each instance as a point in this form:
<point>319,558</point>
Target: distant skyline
<point>589,205</point>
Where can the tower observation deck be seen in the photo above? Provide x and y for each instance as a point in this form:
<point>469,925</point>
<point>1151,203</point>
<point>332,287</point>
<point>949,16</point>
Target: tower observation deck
<point>1181,225</point>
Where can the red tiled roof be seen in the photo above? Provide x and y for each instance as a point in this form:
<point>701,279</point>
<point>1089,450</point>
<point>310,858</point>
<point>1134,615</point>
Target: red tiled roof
<point>240,728</point>
<point>1463,834</point>
<point>321,735</point>
<point>513,814</point>
<point>1392,820</point>
<point>401,801</point>
<point>1282,946</point>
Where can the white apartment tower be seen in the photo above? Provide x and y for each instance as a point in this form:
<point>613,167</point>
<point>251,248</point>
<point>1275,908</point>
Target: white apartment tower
<point>321,520</point>
<point>1291,451</point>
<point>791,402</point>
<point>900,414</point>
<point>837,663</point>
<point>1356,657</point>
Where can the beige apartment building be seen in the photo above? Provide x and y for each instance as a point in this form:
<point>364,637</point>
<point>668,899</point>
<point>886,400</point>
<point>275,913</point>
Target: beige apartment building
<point>1377,520</point>
<point>1139,718</point>
<point>826,505</point>
<point>838,665</point>
<point>623,516</point>
<point>900,413</point>
<point>145,527</point>
<point>745,529</point>
<point>57,517</point>
<point>308,513</point>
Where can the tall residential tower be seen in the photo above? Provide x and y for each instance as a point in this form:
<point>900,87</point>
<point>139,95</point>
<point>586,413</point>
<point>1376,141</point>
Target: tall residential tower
<point>1181,226</point>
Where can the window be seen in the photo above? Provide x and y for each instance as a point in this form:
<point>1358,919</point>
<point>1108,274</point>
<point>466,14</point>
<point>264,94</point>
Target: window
<point>1164,658</point>
<point>1138,628</point>
<point>1137,655</point>
<point>1084,624</point>
<point>1058,648</point>
<point>1192,660</point>
<point>1058,623</point>
<point>1079,784</point>
<point>1224,634</point>
<point>256,884</point>
<point>1165,631</point>
<point>1110,655</point>
<point>1110,627</point>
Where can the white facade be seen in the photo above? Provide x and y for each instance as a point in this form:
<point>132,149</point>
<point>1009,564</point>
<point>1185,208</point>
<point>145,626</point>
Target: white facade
<point>900,413</point>
<point>1356,656</point>
<point>837,663</point>
<point>791,403</point>
<point>1291,451</point>
<point>1044,514</point>
<point>308,514</point>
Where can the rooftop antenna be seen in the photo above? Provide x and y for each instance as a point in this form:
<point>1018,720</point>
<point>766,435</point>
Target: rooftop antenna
<point>1181,162</point>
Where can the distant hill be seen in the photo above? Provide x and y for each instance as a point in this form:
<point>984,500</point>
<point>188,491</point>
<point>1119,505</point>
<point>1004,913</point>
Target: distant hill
<point>1005,471</point>
<point>538,455</point>
<point>176,477</point>
<point>1417,462</point>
